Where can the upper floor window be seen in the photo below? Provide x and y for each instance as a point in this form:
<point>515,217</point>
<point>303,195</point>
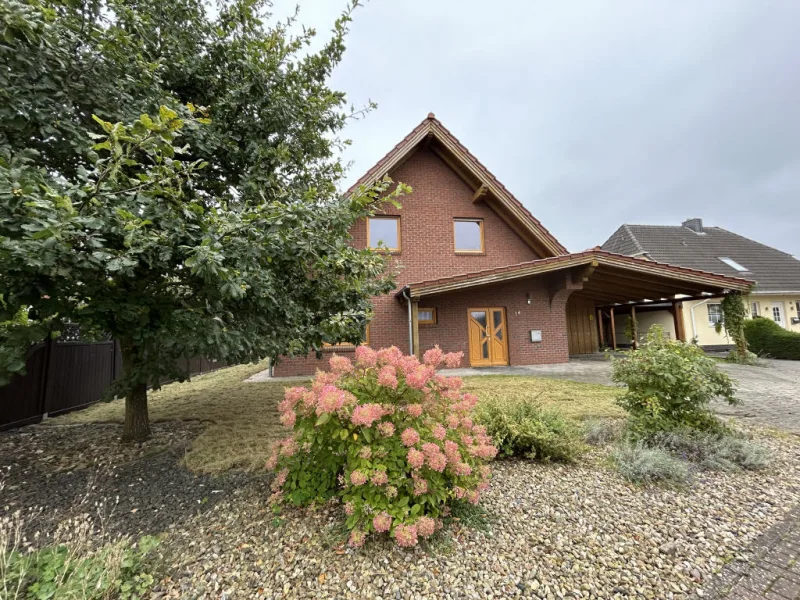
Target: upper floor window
<point>733,264</point>
<point>714,314</point>
<point>468,235</point>
<point>384,232</point>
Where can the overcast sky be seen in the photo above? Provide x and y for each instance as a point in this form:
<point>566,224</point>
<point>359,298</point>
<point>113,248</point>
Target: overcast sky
<point>594,113</point>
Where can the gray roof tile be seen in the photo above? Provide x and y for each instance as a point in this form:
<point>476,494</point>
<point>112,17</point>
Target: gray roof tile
<point>775,271</point>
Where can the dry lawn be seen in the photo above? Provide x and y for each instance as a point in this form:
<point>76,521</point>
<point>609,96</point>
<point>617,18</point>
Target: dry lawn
<point>242,418</point>
<point>580,401</point>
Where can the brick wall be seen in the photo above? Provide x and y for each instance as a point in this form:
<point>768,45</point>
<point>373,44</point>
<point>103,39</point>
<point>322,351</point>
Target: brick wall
<point>428,252</point>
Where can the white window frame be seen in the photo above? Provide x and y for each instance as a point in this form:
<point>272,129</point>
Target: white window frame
<point>711,321</point>
<point>755,310</point>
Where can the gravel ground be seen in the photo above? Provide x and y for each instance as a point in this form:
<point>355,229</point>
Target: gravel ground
<point>54,472</point>
<point>557,532</point>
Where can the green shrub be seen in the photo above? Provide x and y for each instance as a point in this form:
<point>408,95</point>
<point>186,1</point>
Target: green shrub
<point>713,451</point>
<point>523,428</point>
<point>766,338</point>
<point>601,432</point>
<point>390,437</point>
<point>80,564</point>
<point>640,463</point>
<point>669,385</point>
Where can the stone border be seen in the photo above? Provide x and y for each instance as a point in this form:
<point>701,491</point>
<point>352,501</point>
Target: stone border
<point>772,572</point>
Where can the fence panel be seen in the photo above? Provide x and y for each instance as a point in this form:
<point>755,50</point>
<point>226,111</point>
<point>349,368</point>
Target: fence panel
<point>67,374</point>
<point>21,401</point>
<point>84,370</point>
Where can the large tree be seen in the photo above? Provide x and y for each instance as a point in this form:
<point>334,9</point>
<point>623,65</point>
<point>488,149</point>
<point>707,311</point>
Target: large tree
<point>204,217</point>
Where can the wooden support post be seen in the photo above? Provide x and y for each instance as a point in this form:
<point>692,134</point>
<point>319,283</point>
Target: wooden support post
<point>634,328</point>
<point>601,333</point>
<point>415,327</point>
<point>677,316</point>
<point>613,330</point>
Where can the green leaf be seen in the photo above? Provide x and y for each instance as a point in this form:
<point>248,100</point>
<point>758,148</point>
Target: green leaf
<point>322,419</point>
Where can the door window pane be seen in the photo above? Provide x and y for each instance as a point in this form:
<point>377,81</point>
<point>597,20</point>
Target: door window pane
<point>385,230</point>
<point>497,317</point>
<point>480,317</point>
<point>485,348</point>
<point>776,314</point>
<point>468,235</point>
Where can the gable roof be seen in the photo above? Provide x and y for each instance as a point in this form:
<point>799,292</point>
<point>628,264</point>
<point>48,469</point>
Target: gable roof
<point>431,133</point>
<point>774,271</point>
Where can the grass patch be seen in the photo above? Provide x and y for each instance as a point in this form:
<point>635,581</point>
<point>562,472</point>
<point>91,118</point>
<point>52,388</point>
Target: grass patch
<point>574,400</point>
<point>242,418</point>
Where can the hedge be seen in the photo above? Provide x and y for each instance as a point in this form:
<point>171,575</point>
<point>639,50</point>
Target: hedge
<point>766,338</point>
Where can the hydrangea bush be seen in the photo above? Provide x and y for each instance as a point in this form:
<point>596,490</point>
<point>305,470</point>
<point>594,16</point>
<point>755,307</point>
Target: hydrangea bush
<point>388,435</point>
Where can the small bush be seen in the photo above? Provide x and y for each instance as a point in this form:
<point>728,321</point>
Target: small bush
<point>766,338</point>
<point>523,428</point>
<point>79,564</point>
<point>669,385</point>
<point>642,464</point>
<point>390,437</point>
<point>713,451</point>
<point>601,432</point>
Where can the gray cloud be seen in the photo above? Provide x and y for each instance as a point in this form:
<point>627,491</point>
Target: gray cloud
<point>595,113</point>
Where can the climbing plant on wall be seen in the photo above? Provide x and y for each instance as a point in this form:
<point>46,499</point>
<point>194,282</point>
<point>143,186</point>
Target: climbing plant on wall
<point>734,313</point>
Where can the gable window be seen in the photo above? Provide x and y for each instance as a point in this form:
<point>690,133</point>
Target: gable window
<point>733,264</point>
<point>468,235</point>
<point>384,233</point>
<point>426,316</point>
<point>755,310</point>
<point>714,314</point>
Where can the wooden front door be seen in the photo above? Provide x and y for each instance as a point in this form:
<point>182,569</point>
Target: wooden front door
<point>488,337</point>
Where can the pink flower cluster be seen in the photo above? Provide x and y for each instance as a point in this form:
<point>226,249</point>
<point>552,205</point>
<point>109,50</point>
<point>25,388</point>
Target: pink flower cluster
<point>366,414</point>
<point>358,478</point>
<point>382,522</point>
<point>405,535</point>
<point>409,437</point>
<point>387,377</point>
<point>341,365</point>
<point>386,428</point>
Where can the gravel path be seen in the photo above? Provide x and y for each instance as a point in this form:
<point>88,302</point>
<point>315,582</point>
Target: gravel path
<point>558,532</point>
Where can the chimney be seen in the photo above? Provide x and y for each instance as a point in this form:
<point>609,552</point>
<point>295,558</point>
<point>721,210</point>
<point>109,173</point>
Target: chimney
<point>695,225</point>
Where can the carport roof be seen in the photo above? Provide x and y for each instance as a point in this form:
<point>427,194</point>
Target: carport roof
<point>602,276</point>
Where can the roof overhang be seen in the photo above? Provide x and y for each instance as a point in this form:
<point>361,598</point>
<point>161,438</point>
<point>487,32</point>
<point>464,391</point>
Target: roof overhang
<point>604,277</point>
<point>431,134</point>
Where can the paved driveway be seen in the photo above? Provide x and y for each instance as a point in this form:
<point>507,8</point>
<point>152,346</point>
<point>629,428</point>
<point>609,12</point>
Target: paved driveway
<point>770,393</point>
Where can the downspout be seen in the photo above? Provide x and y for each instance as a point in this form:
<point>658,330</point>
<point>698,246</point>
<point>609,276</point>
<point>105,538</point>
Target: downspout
<point>694,323</point>
<point>410,325</point>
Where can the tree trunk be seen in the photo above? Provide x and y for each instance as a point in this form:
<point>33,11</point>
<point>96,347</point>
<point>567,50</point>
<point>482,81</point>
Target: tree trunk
<point>137,420</point>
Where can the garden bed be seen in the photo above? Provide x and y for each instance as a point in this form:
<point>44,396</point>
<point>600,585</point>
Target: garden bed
<point>556,531</point>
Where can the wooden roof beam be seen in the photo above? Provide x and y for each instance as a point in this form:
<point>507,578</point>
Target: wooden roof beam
<point>480,194</point>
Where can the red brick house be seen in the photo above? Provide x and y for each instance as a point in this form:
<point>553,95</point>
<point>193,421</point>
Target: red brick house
<point>480,274</point>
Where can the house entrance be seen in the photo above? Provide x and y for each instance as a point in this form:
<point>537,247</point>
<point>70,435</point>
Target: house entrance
<point>488,337</point>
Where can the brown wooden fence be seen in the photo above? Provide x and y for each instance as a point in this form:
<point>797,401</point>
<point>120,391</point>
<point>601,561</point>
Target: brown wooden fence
<point>66,374</point>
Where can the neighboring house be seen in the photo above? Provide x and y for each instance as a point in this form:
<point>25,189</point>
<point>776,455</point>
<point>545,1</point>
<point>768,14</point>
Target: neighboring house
<point>478,273</point>
<point>775,296</point>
